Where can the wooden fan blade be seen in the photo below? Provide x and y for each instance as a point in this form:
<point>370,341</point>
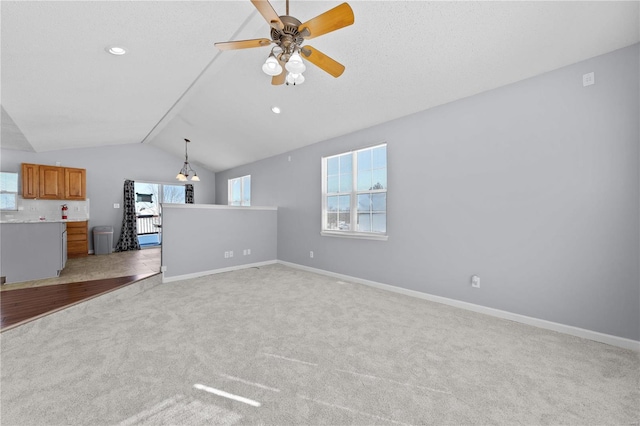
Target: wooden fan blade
<point>268,13</point>
<point>277,80</point>
<point>322,61</point>
<point>243,44</point>
<point>334,19</point>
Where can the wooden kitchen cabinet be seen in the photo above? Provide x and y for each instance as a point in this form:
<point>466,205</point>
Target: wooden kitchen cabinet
<point>30,180</point>
<point>75,184</point>
<point>51,183</point>
<point>77,239</point>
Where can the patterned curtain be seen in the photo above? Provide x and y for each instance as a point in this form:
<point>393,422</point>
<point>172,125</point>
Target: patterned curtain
<point>188,193</point>
<point>129,234</point>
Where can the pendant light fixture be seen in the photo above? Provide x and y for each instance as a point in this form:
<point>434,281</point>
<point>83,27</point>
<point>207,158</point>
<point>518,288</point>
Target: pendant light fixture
<point>183,175</point>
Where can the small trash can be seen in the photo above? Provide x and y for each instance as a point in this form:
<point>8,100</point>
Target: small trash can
<point>102,239</point>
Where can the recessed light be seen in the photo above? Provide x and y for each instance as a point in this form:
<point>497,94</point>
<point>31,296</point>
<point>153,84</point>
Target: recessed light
<point>115,50</point>
<point>275,110</point>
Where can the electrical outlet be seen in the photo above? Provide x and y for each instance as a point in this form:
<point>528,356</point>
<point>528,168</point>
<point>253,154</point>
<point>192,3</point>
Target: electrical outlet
<point>244,252</point>
<point>588,79</point>
<point>231,253</point>
<point>226,254</point>
<point>116,205</point>
<point>163,268</point>
<point>311,254</point>
<point>475,281</point>
<point>248,251</point>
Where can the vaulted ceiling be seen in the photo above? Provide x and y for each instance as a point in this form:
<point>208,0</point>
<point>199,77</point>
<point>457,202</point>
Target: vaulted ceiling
<point>61,89</point>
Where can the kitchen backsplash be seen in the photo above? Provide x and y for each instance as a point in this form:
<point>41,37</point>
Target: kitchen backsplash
<point>47,209</point>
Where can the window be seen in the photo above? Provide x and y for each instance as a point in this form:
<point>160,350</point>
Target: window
<point>239,192</point>
<point>173,194</point>
<point>354,193</point>
<point>150,195</point>
<point>8,191</point>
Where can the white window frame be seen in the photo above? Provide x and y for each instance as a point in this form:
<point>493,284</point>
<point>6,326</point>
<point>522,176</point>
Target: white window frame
<point>351,233</point>
<point>243,190</point>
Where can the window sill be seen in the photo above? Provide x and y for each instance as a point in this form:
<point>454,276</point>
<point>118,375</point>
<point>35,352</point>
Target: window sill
<point>359,236</point>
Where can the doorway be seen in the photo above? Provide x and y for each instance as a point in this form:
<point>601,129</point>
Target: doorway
<point>149,196</point>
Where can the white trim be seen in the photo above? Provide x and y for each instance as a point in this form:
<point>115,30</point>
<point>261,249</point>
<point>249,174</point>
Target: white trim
<point>214,207</point>
<point>608,339</point>
<point>216,271</point>
<point>361,236</point>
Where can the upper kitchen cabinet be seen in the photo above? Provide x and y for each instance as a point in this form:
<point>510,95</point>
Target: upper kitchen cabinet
<point>30,180</point>
<point>75,184</point>
<point>53,182</point>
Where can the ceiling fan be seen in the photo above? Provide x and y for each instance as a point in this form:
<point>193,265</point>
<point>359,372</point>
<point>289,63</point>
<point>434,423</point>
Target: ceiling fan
<point>288,34</point>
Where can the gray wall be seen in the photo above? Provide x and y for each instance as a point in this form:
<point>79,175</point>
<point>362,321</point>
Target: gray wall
<point>533,186</point>
<point>196,237</point>
<point>107,168</point>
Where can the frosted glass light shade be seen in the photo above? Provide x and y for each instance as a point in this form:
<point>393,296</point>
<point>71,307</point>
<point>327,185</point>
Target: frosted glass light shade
<point>295,65</point>
<point>271,66</point>
<point>295,79</point>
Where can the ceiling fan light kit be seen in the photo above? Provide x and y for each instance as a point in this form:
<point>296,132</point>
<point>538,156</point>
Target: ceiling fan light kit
<point>288,34</point>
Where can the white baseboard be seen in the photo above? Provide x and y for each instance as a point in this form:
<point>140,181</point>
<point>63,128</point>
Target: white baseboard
<point>548,325</point>
<point>216,271</point>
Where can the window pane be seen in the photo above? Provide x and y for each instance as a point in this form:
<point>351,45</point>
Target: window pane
<point>236,187</point>
<point>332,221</point>
<point>332,184</point>
<point>380,157</point>
<point>379,202</point>
<point>346,182</point>
<point>379,179</point>
<point>364,160</point>
<point>379,222</point>
<point>364,222</point>
<point>346,163</point>
<point>364,180</point>
<point>8,182</point>
<point>8,202</point>
<point>345,203</point>
<point>173,194</point>
<point>148,198</point>
<point>332,204</point>
<point>364,203</point>
<point>344,221</point>
<point>246,191</point>
<point>332,166</point>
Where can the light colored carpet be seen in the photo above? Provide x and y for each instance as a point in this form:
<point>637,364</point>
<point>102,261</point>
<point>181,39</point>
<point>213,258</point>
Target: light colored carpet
<point>302,348</point>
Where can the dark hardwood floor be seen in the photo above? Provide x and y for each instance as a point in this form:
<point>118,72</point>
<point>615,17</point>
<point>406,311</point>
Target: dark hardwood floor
<point>21,305</point>
<point>82,278</point>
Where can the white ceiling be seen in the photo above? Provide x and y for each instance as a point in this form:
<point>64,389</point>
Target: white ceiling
<point>62,90</point>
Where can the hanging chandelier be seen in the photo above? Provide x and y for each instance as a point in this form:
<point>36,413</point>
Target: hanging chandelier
<point>186,168</point>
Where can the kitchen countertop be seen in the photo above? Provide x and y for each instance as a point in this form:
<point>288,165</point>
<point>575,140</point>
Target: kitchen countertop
<point>43,221</point>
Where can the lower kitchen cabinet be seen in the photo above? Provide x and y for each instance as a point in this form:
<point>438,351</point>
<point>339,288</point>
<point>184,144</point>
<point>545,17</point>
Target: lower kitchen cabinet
<point>31,251</point>
<point>77,239</point>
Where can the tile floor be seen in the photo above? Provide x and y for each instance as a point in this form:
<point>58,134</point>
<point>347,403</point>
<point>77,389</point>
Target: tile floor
<point>99,267</point>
